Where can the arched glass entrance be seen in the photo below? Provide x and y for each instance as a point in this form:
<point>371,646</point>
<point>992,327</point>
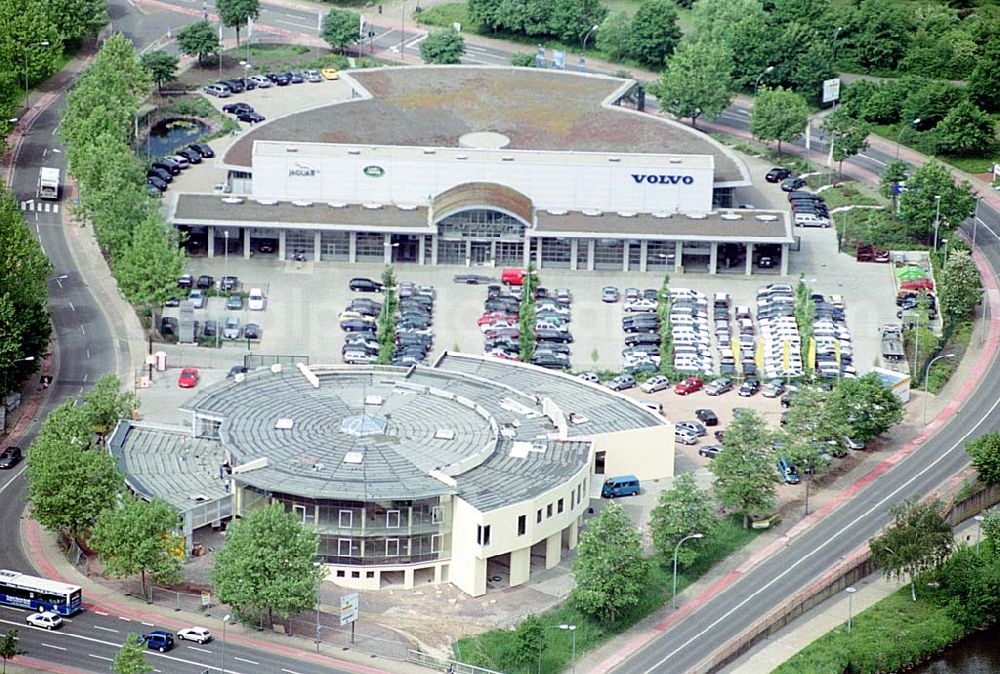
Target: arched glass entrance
<point>480,236</point>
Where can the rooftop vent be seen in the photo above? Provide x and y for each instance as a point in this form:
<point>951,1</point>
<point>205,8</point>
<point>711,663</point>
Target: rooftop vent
<point>461,156</point>
<point>520,450</point>
<point>661,214</point>
<point>371,206</point>
<point>428,150</point>
<point>766,218</point>
<point>316,467</point>
<point>354,457</point>
<point>267,202</point>
<point>406,207</point>
<point>363,425</point>
<point>697,216</point>
<point>614,159</point>
<point>444,434</point>
<point>354,151</point>
<point>284,424</point>
<point>199,498</point>
<point>232,200</point>
<point>289,148</point>
<point>731,216</point>
<point>302,203</point>
<point>336,204</point>
<point>627,214</point>
<point>592,212</point>
<point>557,211</point>
<point>373,399</point>
<point>676,161</point>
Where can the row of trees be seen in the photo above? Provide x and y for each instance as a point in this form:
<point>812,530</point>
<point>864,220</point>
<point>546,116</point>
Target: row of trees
<point>97,127</point>
<point>527,314</point>
<point>386,326</point>
<point>75,487</point>
<point>612,573</point>
<point>666,330</point>
<point>24,322</point>
<point>33,36</point>
<point>566,20</point>
<point>932,115</point>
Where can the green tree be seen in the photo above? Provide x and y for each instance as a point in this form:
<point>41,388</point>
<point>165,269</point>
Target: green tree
<point>965,130</point>
<point>526,316</point>
<point>983,85</point>
<point>741,27</point>
<point>929,101</point>
<point>138,537</point>
<point>681,510</point>
<point>131,657</point>
<point>162,66</point>
<point>666,332</point>
<point>522,60</point>
<point>24,270</point>
<point>571,20</point>
<point>778,114</point>
<point>970,579</point>
<point>918,540</point>
<point>878,35</point>
<point>529,640</point>
<point>267,565</point>
<point>386,325</point>
<point>236,13</point>
<point>869,407</point>
<point>895,173</point>
<point>918,207</point>
<point>198,39</point>
<point>985,454</point>
<point>69,482</point>
<point>26,24</point>
<point>991,531</point>
<point>9,648</point>
<point>341,28</point>
<point>654,34</point>
<point>613,36</point>
<point>611,572</point>
<point>76,19</point>
<point>848,135</point>
<point>697,81</point>
<point>443,47</point>
<point>959,287</point>
<point>812,433</point>
<point>106,404</point>
<point>745,471</point>
<point>147,271</point>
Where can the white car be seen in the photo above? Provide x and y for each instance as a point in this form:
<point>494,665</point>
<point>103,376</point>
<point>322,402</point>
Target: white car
<point>197,634</point>
<point>685,437</point>
<point>47,619</point>
<point>655,383</point>
<point>590,376</point>
<point>255,302</point>
<point>262,83</point>
<point>312,76</point>
<point>641,305</point>
<point>197,298</point>
<point>359,358</point>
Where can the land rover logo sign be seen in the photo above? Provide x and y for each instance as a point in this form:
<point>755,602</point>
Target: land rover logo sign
<point>374,171</point>
<point>662,179</point>
<point>300,170</point>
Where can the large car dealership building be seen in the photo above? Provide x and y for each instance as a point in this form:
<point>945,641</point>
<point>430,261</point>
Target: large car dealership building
<point>486,166</point>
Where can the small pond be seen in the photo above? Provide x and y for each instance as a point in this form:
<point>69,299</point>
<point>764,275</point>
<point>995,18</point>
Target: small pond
<point>169,135</point>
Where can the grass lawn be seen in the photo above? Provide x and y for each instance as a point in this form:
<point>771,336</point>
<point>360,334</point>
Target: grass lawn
<point>853,193</point>
<point>883,638</point>
<point>968,164</point>
<point>495,649</point>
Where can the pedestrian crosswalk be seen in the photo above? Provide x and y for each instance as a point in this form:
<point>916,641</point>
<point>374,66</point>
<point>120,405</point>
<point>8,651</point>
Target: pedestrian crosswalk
<point>39,206</point>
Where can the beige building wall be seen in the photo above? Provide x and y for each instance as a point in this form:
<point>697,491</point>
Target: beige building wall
<point>647,453</point>
<point>543,521</point>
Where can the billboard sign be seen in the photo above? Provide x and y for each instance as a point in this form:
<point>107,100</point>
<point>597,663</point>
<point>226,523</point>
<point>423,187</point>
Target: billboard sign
<point>831,90</point>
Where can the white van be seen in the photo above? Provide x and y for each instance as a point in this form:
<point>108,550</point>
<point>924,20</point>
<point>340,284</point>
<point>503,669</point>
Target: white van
<point>810,220</point>
<point>255,301</point>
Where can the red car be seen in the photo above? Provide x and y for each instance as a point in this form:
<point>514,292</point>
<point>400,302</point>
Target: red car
<point>188,377</point>
<point>689,385</point>
<point>917,284</point>
<point>490,318</point>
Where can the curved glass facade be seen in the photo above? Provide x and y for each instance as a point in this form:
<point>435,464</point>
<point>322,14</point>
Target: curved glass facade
<point>374,532</point>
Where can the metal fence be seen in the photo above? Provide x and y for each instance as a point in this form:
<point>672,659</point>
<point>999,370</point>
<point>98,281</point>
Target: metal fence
<point>178,600</point>
<point>452,666</point>
<point>324,629</point>
<point>254,360</point>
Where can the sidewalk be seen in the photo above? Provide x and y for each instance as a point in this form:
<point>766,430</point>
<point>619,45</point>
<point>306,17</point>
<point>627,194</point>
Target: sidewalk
<point>772,652</point>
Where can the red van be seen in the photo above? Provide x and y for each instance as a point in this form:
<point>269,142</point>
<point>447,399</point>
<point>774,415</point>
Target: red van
<point>513,276</point>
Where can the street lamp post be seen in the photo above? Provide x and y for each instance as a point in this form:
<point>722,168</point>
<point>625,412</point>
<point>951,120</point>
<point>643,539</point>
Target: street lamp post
<point>583,55</point>
<point>572,631</point>
<point>767,70</point>
<point>979,530</point>
<point>225,620</point>
<point>937,218</point>
<point>246,72</point>
<point>944,252</point>
<point>27,94</point>
<point>927,374</point>
<point>850,606</point>
<point>900,134</point>
<point>677,549</point>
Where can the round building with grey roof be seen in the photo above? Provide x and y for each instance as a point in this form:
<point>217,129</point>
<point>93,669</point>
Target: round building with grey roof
<point>474,471</point>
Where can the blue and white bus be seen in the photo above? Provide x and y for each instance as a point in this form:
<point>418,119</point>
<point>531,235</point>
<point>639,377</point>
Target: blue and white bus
<point>39,594</point>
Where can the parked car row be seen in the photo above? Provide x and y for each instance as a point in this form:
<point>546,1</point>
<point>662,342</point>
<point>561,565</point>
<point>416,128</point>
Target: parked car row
<point>244,112</point>
<point>641,324</point>
<point>500,324</point>
<point>808,209</point>
<point>162,171</point>
<point>781,344</point>
<point>834,346</point>
<point>226,88</point>
<point>689,330</point>
<point>412,321</point>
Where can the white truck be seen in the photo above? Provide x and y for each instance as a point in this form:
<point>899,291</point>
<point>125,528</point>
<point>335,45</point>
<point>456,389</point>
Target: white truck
<point>48,183</point>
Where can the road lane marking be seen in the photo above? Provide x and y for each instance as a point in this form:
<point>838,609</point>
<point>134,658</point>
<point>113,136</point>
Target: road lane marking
<point>121,617</point>
<point>58,648</point>
<point>149,624</point>
<point>82,330</point>
<point>202,650</point>
<point>13,477</point>
<point>249,662</point>
<point>100,613</point>
<point>290,671</point>
<point>106,629</point>
<point>880,505</point>
<point>871,158</point>
<point>72,307</point>
<point>99,657</point>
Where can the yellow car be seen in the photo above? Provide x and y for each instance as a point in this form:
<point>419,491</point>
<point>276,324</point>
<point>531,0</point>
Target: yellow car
<point>348,315</point>
<point>330,73</point>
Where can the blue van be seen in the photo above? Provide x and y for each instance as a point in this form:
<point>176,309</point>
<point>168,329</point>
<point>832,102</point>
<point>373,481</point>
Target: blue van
<point>623,485</point>
<point>788,472</point>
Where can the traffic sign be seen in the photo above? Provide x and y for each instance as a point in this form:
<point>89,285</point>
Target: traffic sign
<point>349,605</point>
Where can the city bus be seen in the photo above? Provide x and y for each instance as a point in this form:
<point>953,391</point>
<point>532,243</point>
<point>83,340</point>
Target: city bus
<point>39,594</point>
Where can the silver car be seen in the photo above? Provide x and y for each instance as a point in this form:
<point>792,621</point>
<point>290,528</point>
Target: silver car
<point>232,328</point>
